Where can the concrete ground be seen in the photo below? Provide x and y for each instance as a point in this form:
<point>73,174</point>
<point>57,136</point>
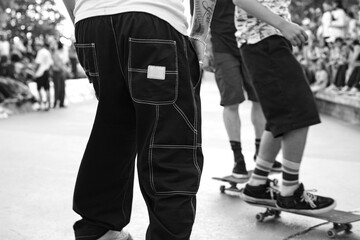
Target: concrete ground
<point>40,153</point>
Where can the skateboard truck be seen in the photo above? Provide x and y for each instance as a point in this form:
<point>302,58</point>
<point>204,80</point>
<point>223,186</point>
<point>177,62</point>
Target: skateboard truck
<point>338,228</point>
<point>268,213</point>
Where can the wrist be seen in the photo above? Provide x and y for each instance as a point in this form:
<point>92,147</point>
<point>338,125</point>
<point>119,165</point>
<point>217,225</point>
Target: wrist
<point>281,24</point>
<point>196,38</point>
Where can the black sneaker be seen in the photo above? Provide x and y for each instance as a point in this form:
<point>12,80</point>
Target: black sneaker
<point>239,170</point>
<point>277,167</point>
<point>260,195</point>
<point>304,202</point>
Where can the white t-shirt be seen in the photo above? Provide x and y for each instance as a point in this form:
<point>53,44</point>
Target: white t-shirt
<point>45,61</point>
<point>325,24</point>
<point>4,48</point>
<point>339,24</point>
<point>172,11</point>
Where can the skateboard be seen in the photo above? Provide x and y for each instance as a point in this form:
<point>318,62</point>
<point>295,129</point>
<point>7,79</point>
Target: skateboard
<point>233,181</point>
<point>341,220</point>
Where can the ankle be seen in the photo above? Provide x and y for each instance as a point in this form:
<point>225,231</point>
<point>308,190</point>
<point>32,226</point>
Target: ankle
<point>287,191</point>
<point>256,182</point>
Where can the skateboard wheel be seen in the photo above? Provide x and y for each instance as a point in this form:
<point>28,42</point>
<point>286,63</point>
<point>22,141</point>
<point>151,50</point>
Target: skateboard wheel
<point>222,189</point>
<point>277,213</point>
<point>348,227</point>
<point>260,217</point>
<point>332,233</point>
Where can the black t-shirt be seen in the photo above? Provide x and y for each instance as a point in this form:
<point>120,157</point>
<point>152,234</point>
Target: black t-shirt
<point>223,28</point>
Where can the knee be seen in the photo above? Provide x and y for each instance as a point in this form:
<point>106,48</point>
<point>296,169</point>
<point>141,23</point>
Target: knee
<point>232,108</point>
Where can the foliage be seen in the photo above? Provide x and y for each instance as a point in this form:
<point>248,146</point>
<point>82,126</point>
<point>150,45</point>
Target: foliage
<point>31,17</point>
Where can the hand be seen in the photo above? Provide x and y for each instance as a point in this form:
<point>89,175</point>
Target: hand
<point>199,46</point>
<point>294,33</point>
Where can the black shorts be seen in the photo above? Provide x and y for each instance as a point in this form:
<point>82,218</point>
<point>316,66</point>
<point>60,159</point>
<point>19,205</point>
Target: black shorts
<point>280,84</point>
<point>232,80</point>
<point>43,81</point>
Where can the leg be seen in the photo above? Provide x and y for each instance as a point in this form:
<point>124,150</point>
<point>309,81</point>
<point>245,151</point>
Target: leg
<point>268,151</point>
<point>229,80</point>
<point>40,97</point>
<point>39,85</point>
<point>293,146</point>
<point>167,118</point>
<point>257,119</point>
<point>46,86</point>
<point>48,98</point>
<point>104,186</point>
<point>56,81</point>
<point>233,128</point>
<point>276,79</point>
<point>232,122</point>
<point>62,91</point>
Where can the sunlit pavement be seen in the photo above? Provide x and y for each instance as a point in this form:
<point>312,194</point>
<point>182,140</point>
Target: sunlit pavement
<point>40,153</point>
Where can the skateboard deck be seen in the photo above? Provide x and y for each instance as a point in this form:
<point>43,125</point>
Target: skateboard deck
<point>341,220</point>
<point>233,181</point>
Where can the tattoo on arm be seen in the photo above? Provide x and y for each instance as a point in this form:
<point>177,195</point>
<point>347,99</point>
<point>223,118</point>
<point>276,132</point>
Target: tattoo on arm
<point>203,11</point>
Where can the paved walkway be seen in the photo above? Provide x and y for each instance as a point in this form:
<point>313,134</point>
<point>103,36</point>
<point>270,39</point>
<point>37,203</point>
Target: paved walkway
<point>40,153</point>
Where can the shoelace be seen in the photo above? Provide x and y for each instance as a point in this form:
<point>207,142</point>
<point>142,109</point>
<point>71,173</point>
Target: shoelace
<point>271,189</point>
<point>309,197</point>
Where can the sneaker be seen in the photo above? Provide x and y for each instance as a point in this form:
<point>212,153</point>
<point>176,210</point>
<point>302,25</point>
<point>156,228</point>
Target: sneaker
<point>277,166</point>
<point>239,170</point>
<point>305,203</point>
<point>116,235</point>
<point>260,195</point>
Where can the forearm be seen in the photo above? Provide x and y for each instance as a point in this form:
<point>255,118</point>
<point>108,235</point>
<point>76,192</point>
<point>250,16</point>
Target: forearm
<point>70,5</point>
<point>256,9</point>
<point>202,15</point>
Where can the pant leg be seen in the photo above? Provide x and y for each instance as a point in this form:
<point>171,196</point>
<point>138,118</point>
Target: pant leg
<point>354,77</point>
<point>62,89</point>
<point>163,74</point>
<point>73,63</point>
<point>56,80</point>
<point>162,117</point>
<point>104,185</point>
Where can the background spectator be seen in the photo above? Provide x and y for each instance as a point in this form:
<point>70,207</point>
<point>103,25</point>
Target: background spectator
<point>321,76</point>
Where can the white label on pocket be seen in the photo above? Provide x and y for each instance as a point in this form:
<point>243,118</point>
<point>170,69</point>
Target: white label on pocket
<point>156,72</point>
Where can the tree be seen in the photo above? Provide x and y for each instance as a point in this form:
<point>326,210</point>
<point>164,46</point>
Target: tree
<point>30,17</point>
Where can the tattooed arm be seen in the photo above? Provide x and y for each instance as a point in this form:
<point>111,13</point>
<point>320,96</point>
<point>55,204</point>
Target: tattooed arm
<point>200,24</point>
<point>294,33</point>
<point>70,5</point>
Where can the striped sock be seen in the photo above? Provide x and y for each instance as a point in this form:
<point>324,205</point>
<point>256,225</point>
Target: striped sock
<point>261,172</point>
<point>290,177</point>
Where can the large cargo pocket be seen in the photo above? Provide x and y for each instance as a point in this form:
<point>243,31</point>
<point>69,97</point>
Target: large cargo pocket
<point>86,53</point>
<point>174,170</point>
<point>153,71</point>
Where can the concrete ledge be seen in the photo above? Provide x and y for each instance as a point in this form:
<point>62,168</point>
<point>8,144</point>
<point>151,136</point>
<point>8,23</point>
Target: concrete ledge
<point>341,106</point>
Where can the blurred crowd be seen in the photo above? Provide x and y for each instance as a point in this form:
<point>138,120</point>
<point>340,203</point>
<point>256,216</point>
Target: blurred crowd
<point>331,58</point>
<point>19,65</point>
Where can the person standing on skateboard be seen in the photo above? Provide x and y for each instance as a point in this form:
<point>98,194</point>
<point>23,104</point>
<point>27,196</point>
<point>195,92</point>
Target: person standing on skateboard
<point>146,74</point>
<point>265,35</point>
<point>232,81</point>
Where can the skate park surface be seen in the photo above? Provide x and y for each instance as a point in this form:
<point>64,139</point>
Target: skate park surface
<point>41,153</point>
